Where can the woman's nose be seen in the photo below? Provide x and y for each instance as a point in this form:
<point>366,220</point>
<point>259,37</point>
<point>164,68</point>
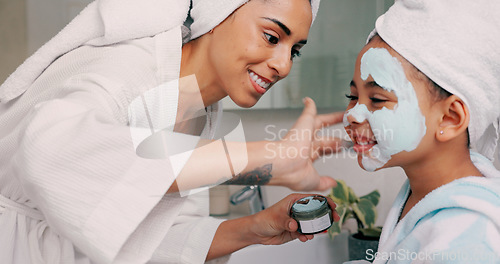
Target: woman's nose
<point>281,62</point>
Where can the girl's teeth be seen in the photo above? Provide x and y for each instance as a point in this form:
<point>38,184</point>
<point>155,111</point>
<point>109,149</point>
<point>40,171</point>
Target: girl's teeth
<point>260,82</point>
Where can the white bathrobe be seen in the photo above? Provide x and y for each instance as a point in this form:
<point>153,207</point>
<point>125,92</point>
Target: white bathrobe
<point>456,223</point>
<point>72,188</point>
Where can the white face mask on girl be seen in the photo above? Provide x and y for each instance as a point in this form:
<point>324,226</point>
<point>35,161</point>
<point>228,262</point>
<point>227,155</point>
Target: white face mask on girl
<point>396,130</point>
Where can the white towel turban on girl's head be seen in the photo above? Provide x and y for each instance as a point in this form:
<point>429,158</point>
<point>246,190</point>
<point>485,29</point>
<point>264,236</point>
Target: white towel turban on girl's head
<point>456,43</point>
<point>207,14</point>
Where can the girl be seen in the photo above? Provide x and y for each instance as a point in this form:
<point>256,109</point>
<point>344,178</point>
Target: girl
<point>419,97</point>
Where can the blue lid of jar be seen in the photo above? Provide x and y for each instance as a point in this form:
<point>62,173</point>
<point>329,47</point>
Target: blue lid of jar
<point>309,204</point>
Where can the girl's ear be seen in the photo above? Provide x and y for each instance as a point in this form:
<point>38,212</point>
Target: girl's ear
<point>454,120</point>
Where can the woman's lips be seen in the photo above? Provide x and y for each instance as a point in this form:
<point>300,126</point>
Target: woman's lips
<point>259,83</point>
<point>257,87</point>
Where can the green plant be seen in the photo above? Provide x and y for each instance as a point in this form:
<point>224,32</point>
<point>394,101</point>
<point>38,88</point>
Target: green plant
<point>363,209</point>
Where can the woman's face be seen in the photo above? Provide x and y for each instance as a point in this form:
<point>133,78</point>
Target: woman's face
<point>254,47</point>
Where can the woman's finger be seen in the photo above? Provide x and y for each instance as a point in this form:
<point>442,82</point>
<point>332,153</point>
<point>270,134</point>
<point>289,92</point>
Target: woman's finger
<point>325,145</point>
<point>325,120</point>
<point>307,118</point>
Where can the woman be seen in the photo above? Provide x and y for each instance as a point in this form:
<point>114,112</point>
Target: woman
<point>73,188</point>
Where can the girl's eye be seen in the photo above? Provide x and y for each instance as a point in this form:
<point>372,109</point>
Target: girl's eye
<point>377,100</point>
<point>295,53</point>
<point>351,97</point>
<point>271,39</point>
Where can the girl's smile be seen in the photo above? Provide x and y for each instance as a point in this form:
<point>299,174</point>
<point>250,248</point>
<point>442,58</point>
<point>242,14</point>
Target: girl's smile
<point>363,144</point>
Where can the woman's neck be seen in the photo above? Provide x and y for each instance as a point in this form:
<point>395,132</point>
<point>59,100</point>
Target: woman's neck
<point>194,62</point>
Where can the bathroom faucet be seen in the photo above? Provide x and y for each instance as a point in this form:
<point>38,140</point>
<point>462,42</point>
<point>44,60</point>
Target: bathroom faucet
<point>252,194</point>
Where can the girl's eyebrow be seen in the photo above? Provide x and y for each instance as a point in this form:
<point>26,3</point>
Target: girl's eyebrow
<point>371,84</point>
<point>284,28</point>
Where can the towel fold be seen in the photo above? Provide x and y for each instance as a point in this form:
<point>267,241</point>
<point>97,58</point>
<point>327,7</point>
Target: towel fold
<point>455,43</point>
<point>102,22</point>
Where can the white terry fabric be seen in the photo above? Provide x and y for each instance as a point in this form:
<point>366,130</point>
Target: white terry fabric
<point>456,223</point>
<point>76,190</point>
<point>207,14</point>
<point>101,23</point>
<point>455,43</point>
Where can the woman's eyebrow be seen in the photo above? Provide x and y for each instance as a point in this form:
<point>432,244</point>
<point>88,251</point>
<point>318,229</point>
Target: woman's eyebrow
<point>281,25</point>
<point>285,29</point>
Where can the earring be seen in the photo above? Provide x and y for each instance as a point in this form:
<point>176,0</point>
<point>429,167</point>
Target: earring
<point>441,132</point>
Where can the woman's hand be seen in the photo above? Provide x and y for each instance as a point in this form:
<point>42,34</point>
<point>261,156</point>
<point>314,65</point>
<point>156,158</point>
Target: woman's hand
<point>295,154</point>
<point>272,226</point>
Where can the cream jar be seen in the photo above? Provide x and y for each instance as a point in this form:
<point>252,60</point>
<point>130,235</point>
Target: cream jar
<point>313,214</point>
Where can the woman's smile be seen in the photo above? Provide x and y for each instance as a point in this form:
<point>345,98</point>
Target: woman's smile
<point>259,83</point>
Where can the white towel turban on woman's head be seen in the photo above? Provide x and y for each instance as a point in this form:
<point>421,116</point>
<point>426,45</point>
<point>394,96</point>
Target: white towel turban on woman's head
<point>456,43</point>
<point>207,14</point>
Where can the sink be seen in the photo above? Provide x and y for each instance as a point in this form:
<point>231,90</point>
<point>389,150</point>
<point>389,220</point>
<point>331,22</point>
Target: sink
<point>320,250</point>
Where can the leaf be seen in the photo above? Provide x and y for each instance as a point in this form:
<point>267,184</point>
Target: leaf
<point>340,194</point>
<point>366,212</point>
<point>371,232</point>
<point>337,226</point>
<point>374,197</point>
<point>353,198</point>
<point>334,230</point>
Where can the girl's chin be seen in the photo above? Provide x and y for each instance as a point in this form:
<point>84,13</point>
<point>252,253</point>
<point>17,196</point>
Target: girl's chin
<point>373,166</point>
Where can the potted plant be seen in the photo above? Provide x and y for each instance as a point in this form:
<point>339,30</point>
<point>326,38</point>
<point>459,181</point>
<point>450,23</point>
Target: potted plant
<point>363,210</point>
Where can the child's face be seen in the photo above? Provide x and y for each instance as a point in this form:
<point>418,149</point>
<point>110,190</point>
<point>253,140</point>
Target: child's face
<point>388,108</point>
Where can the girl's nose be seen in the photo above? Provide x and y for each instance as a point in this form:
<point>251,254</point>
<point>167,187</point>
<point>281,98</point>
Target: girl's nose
<point>281,62</point>
<point>351,119</point>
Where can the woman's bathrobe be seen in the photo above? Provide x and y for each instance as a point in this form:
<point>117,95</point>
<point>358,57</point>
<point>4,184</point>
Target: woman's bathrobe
<point>456,223</point>
<point>72,188</point>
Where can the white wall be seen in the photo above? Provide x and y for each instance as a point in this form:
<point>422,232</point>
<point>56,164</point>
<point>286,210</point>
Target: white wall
<point>13,50</point>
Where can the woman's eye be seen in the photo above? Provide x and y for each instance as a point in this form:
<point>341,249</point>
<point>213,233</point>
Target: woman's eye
<point>295,53</point>
<point>351,97</point>
<point>271,39</point>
